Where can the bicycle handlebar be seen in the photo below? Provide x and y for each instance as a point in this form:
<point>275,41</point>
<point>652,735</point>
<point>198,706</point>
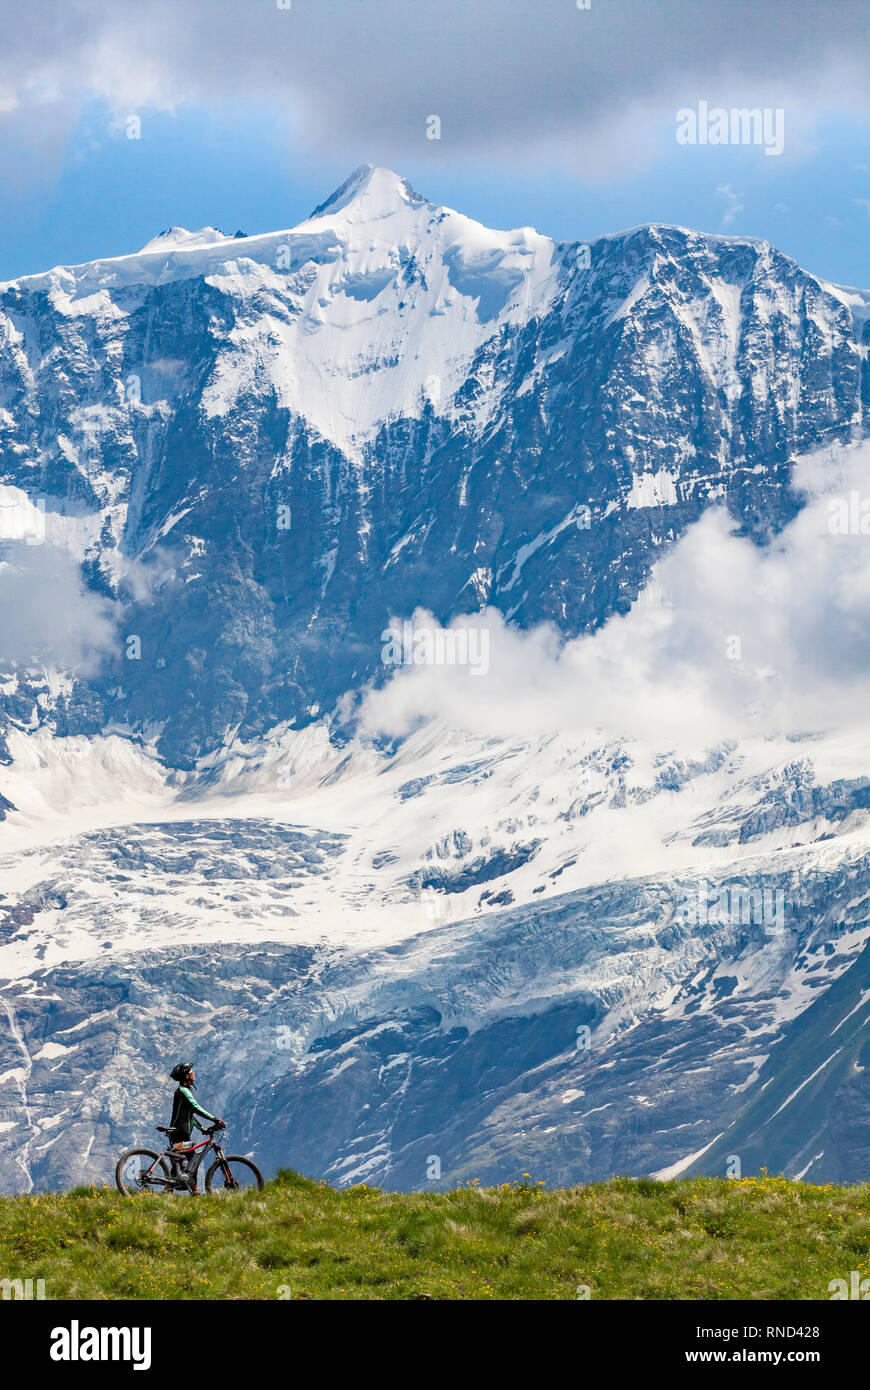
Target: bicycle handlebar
<point>212,1129</point>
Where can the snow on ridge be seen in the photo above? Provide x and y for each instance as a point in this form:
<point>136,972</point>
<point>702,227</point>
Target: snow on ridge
<point>176,237</point>
<point>396,285</point>
<point>342,317</point>
<point>371,187</point>
<point>856,300</point>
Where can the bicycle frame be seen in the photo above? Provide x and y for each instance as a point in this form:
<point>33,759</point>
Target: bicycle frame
<point>175,1169</point>
<point>186,1177</point>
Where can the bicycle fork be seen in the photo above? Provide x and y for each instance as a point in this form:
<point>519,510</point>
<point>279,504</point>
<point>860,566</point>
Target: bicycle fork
<point>229,1180</point>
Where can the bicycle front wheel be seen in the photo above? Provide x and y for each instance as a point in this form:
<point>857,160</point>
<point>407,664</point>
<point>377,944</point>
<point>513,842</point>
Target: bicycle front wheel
<point>233,1174</point>
<point>141,1171</point>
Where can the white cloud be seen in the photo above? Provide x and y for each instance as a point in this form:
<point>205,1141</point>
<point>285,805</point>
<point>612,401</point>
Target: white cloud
<point>747,641</point>
<point>735,206</point>
<point>533,79</point>
<point>48,616</point>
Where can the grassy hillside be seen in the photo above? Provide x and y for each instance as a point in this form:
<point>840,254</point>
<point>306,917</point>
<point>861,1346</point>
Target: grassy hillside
<point>693,1238</point>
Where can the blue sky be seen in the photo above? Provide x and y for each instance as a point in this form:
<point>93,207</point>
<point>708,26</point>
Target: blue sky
<point>553,118</point>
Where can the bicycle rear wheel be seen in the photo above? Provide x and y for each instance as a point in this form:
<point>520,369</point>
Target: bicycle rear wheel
<point>233,1174</point>
<point>136,1171</point>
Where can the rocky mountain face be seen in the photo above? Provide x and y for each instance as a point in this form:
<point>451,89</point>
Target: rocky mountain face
<point>297,437</point>
<point>455,956</point>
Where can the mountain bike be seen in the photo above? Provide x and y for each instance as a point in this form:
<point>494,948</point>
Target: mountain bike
<point>141,1171</point>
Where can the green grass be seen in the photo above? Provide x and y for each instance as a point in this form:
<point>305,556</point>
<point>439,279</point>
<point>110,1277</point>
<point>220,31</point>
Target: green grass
<point>709,1238</point>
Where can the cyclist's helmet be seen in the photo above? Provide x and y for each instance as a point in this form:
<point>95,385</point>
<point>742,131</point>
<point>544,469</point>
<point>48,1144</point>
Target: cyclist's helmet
<point>181,1071</point>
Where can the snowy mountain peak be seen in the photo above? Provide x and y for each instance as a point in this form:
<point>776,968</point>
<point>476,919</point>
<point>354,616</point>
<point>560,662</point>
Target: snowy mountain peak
<point>176,238</point>
<point>371,192</point>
